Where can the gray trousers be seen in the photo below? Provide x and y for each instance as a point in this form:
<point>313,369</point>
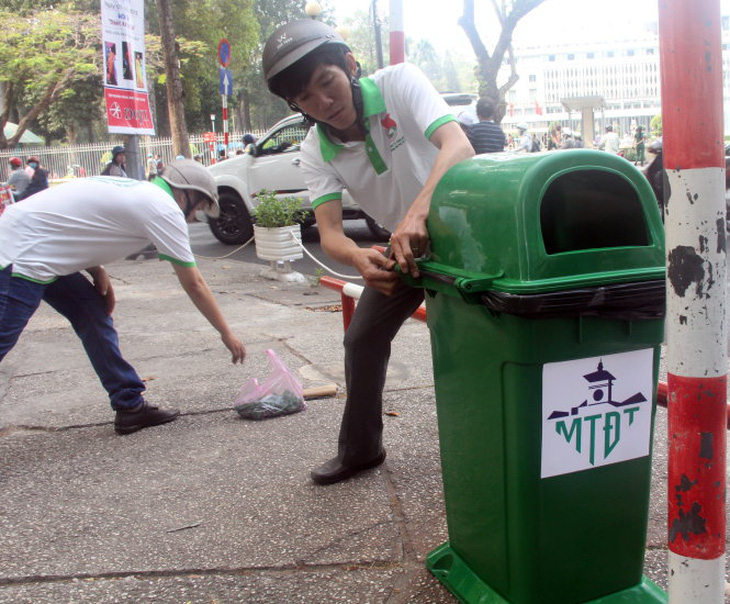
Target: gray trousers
<point>375,323</point>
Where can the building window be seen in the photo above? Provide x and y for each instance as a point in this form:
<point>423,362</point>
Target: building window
<point>533,77</point>
<point>609,54</point>
<point>551,58</point>
<point>591,55</point>
<point>650,51</point>
<point>630,53</point>
<point>571,57</point>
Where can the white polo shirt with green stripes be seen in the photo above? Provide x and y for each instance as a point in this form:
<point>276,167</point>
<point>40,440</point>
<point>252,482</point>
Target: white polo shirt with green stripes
<point>386,172</point>
<point>88,222</point>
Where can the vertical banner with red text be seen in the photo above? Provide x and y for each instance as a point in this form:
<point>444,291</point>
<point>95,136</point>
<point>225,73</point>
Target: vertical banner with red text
<point>125,79</point>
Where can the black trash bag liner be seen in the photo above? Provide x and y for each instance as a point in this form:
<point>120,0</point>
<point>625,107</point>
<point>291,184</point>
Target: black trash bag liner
<point>643,300</point>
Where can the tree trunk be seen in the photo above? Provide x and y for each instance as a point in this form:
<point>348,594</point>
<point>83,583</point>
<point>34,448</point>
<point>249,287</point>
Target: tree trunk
<point>488,64</point>
<point>246,113</point>
<point>173,85</point>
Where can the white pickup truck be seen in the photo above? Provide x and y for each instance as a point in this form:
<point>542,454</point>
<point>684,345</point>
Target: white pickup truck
<point>272,164</point>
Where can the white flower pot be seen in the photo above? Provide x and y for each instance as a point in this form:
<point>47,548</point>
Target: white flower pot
<point>277,244</point>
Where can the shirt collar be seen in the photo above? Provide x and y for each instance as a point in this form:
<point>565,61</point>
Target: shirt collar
<point>373,104</point>
<point>160,182</point>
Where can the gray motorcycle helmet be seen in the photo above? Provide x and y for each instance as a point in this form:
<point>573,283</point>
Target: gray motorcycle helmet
<point>293,41</point>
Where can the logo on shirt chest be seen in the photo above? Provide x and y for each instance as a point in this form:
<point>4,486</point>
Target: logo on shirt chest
<point>388,123</point>
<point>391,130</point>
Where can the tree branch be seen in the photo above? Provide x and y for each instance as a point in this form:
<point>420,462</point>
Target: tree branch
<point>466,22</point>
<point>51,94</point>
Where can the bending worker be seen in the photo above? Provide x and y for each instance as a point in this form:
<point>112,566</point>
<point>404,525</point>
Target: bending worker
<point>48,239</point>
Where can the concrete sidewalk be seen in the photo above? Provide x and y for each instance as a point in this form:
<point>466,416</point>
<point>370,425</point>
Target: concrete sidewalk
<point>212,508</point>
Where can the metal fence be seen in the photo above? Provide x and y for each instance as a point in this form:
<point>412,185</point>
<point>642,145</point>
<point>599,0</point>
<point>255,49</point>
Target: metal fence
<point>90,159</point>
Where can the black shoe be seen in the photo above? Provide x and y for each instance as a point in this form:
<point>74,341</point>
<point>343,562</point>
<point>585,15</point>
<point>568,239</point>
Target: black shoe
<point>144,416</point>
<point>334,470</point>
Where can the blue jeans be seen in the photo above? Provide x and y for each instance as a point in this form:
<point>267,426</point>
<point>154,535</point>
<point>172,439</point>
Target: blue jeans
<point>76,299</point>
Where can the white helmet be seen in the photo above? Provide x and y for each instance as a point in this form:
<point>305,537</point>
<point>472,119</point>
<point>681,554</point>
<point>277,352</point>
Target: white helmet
<point>189,174</point>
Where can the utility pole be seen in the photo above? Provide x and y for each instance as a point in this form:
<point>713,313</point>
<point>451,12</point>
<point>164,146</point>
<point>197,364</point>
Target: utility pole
<point>397,35</point>
<point>690,49</point>
<point>376,29</point>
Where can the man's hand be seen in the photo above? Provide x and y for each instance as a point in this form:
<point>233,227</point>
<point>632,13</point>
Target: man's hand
<point>238,350</point>
<point>408,242</point>
<point>103,285</point>
<point>199,292</point>
<point>377,270</point>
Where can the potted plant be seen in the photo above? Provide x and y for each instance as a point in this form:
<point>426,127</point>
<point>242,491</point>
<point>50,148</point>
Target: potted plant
<point>277,232</point>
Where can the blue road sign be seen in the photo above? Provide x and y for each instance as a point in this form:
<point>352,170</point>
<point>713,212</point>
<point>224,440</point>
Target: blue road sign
<point>225,81</point>
<point>224,52</point>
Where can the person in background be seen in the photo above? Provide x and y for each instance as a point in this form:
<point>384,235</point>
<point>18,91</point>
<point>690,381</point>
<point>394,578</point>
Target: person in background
<point>640,146</point>
<point>610,141</point>
<point>116,166</point>
<point>38,181</point>
<point>19,179</point>
<point>555,140</point>
<point>151,167</point>
<point>46,241</point>
<point>525,142</point>
<point>388,139</point>
<point>486,136</point>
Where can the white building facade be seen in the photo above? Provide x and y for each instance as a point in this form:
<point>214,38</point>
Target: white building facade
<point>625,73</point>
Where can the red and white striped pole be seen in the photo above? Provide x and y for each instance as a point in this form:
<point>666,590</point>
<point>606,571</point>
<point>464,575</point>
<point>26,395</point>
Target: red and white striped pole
<point>224,101</point>
<point>397,33</point>
<point>692,111</point>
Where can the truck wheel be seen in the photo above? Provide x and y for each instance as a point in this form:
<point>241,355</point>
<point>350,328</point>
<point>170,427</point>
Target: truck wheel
<point>233,226</point>
<point>379,232</point>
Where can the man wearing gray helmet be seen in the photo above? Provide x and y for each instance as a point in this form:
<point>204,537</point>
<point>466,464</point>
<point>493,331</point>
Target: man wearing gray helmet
<point>48,239</point>
<point>388,139</point>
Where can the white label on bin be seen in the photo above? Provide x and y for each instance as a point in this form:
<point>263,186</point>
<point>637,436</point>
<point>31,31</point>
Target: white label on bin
<point>596,411</point>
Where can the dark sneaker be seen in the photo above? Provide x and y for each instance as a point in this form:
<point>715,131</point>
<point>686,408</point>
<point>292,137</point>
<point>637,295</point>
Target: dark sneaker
<point>144,416</point>
<point>334,470</point>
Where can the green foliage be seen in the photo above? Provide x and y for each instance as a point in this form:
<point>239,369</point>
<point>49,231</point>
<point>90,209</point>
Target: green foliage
<point>656,126</point>
<point>273,212</point>
<point>47,57</point>
<point>36,51</point>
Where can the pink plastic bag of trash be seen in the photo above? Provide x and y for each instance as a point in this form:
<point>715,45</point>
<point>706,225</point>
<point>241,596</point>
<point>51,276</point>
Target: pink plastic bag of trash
<point>279,394</point>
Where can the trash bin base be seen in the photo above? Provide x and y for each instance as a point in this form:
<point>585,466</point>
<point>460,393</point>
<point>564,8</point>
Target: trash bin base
<point>449,568</point>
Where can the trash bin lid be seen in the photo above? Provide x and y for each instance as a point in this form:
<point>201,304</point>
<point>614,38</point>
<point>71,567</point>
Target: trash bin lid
<point>543,222</point>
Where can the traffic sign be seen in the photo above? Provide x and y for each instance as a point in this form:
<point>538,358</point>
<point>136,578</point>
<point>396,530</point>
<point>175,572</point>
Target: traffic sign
<point>225,81</point>
<point>209,137</point>
<point>224,52</point>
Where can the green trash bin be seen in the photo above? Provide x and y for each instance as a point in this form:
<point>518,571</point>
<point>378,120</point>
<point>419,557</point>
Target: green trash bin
<point>545,303</point>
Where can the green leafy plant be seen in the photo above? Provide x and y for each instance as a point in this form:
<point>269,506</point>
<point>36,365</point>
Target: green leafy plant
<point>272,212</point>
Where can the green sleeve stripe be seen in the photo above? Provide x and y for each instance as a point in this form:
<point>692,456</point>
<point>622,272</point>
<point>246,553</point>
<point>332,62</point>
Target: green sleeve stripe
<point>176,261</point>
<point>438,123</point>
<point>325,198</point>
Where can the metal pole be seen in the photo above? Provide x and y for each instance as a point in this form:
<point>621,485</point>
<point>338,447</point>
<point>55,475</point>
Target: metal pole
<point>397,35</point>
<point>133,163</point>
<point>224,102</point>
<point>691,70</point>
<point>212,144</point>
<point>376,28</point>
